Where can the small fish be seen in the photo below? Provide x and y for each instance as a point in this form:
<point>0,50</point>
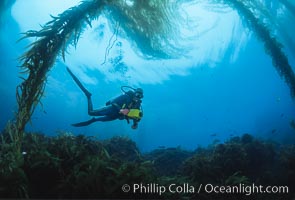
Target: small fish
<point>161,147</point>
<point>282,115</point>
<point>213,135</point>
<point>24,153</point>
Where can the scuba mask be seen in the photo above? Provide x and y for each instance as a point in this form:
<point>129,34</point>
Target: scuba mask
<point>138,93</point>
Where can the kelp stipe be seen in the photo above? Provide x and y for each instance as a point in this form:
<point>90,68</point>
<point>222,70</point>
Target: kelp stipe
<point>38,60</point>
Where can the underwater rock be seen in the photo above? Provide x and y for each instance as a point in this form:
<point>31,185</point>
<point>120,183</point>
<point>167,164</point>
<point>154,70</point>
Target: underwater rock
<point>246,138</point>
<point>122,148</point>
<point>167,161</point>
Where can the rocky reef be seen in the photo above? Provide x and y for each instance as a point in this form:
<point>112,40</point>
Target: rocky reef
<point>77,166</point>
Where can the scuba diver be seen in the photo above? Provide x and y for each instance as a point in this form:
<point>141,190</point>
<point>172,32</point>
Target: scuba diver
<point>126,106</point>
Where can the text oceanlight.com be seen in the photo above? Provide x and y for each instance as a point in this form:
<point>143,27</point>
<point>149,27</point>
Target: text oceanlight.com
<point>186,188</point>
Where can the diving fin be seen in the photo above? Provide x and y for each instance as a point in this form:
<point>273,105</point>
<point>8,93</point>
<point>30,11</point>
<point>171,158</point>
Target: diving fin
<point>86,123</point>
<point>86,92</point>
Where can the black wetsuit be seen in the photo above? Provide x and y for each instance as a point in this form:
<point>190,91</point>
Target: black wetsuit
<point>112,109</point>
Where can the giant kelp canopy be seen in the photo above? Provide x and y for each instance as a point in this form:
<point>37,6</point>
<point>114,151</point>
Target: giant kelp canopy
<point>151,25</point>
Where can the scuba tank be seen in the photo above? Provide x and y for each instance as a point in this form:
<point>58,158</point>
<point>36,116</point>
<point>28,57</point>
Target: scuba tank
<point>124,87</point>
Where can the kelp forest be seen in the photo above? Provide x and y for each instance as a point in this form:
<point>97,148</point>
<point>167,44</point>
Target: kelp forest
<point>33,165</point>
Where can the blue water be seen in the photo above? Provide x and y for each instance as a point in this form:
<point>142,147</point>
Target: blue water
<point>204,106</point>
